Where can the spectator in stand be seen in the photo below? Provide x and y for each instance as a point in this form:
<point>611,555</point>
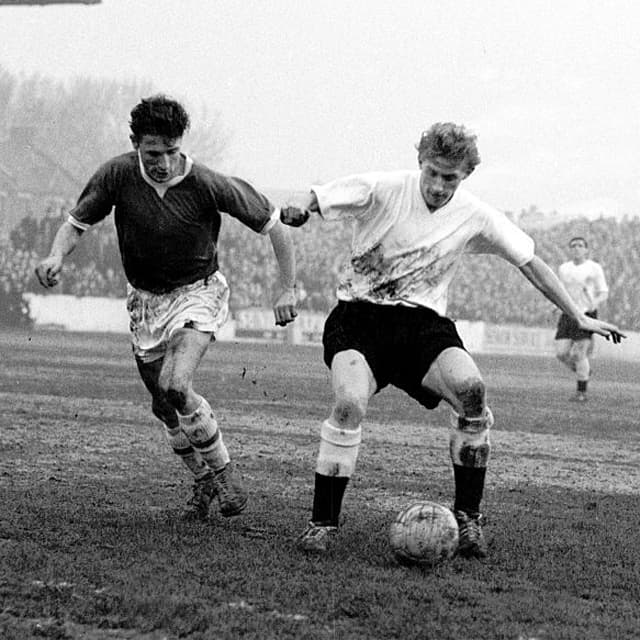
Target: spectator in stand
<point>167,211</point>
<point>16,267</point>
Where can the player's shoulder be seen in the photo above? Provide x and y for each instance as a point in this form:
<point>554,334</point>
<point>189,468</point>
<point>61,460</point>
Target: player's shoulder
<point>199,170</point>
<point>117,166</point>
<point>594,265</point>
<point>567,264</point>
<point>381,177</point>
<point>386,181</point>
<point>370,182</point>
<point>465,199</point>
<point>204,174</point>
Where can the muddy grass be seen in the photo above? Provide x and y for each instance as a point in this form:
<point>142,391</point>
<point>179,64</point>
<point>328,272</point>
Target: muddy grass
<point>92,545</point>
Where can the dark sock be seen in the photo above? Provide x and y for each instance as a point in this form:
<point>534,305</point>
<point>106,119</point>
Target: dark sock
<point>469,483</point>
<point>582,386</point>
<point>327,499</point>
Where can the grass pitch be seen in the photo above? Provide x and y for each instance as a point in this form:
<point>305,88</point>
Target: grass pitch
<point>92,547</point>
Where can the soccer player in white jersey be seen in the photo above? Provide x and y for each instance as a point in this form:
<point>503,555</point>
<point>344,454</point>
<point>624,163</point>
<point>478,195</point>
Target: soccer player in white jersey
<point>585,281</point>
<point>410,231</point>
<point>167,212</point>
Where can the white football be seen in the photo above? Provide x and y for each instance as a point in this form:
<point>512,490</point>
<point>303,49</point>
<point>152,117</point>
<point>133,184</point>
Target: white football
<point>424,533</point>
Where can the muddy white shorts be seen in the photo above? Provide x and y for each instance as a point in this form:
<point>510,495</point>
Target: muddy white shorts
<point>153,318</point>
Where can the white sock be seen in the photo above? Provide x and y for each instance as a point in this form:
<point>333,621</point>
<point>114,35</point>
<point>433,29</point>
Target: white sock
<point>338,450</point>
<point>469,443</point>
<point>201,428</point>
<point>183,449</point>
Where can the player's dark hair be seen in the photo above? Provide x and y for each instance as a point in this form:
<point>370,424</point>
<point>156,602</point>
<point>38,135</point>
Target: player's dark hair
<point>579,239</point>
<point>450,141</point>
<point>159,115</point>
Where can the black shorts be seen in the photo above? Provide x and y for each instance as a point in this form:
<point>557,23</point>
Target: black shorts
<point>568,328</point>
<point>399,343</point>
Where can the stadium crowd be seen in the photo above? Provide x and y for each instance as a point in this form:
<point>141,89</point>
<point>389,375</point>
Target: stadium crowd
<point>485,287</point>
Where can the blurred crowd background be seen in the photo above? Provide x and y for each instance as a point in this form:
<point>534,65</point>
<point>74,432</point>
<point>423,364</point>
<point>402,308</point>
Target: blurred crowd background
<point>54,134</point>
<point>486,288</point>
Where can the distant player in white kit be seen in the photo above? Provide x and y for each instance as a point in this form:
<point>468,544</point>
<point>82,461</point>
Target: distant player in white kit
<point>410,231</point>
<point>584,279</point>
<point>167,211</point>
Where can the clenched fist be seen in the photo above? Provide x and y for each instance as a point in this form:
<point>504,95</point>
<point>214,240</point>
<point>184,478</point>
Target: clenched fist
<point>48,271</point>
<point>294,216</point>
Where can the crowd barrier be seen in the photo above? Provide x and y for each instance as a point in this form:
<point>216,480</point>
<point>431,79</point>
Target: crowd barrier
<point>109,315</point>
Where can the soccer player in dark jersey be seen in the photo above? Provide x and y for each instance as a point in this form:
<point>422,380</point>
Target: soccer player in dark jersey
<point>167,211</point>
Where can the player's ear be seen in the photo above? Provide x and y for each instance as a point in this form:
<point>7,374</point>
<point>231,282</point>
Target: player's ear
<point>468,173</point>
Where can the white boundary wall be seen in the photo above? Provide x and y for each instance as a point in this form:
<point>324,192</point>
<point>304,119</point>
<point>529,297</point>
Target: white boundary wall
<point>109,315</point>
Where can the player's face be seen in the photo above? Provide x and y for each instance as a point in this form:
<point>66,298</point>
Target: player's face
<point>439,180</point>
<point>160,156</point>
<point>578,251</point>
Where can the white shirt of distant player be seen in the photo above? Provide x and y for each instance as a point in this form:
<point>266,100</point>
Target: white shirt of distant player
<point>583,282</point>
<point>402,253</point>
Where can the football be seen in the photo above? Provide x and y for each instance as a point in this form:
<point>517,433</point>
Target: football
<point>424,533</point>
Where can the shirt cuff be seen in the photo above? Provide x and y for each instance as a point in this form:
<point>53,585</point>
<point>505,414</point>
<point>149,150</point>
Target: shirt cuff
<point>275,217</point>
<point>77,224</point>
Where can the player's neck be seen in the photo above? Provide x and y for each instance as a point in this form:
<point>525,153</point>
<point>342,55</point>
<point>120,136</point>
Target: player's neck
<point>444,204</point>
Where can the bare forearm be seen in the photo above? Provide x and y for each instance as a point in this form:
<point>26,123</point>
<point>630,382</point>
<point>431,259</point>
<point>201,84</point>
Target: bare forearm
<point>285,254</point>
<point>545,280</point>
<point>49,269</point>
<point>66,240</point>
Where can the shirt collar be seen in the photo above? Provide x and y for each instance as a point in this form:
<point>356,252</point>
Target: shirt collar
<point>161,187</point>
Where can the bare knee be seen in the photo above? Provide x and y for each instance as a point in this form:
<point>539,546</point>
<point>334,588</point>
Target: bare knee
<point>348,413</point>
<point>471,396</point>
<point>176,392</point>
<point>162,410</point>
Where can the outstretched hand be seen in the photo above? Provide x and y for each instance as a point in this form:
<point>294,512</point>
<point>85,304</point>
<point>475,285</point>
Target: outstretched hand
<point>606,329</point>
<point>616,336</point>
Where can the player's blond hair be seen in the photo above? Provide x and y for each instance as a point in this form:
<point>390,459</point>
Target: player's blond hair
<point>450,141</point>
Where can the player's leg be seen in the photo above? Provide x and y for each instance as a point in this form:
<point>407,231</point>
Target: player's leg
<point>150,373</point>
<point>185,350</point>
<point>564,353</point>
<point>176,329</point>
<point>353,385</point>
<point>455,377</point>
<point>580,351</point>
<point>203,490</point>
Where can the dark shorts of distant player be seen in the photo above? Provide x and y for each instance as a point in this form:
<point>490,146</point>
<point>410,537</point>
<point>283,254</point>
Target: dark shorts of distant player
<point>568,328</point>
<point>399,343</point>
